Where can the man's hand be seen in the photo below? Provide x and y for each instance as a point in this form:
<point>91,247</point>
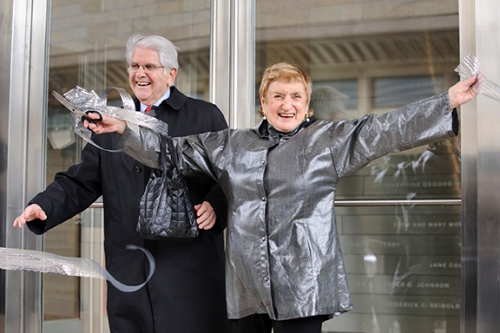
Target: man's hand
<point>206,215</point>
<point>32,212</point>
<point>462,92</point>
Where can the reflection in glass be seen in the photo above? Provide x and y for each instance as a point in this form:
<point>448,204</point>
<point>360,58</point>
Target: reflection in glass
<point>328,103</point>
<point>397,91</point>
<point>349,88</point>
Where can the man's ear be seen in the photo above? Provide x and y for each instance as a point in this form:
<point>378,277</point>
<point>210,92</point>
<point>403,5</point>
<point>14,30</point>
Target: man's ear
<point>172,73</point>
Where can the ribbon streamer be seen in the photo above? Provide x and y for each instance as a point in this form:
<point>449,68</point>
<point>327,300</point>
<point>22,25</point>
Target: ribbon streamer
<point>468,68</point>
<point>80,102</point>
<point>38,261</point>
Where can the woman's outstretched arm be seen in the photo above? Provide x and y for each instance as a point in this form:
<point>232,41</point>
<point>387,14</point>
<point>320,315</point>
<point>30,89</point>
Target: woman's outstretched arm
<point>142,146</point>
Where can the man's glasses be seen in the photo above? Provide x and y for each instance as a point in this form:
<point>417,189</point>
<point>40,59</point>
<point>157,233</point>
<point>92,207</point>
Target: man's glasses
<point>148,68</point>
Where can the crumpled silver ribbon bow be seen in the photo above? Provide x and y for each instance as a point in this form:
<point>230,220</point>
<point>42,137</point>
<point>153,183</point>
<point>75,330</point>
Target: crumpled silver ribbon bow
<point>468,68</point>
<point>81,102</point>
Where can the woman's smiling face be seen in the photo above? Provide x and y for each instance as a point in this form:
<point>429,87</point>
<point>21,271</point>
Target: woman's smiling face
<point>285,105</point>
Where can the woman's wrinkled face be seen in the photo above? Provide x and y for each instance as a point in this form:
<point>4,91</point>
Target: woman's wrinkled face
<point>285,105</point>
<point>149,86</point>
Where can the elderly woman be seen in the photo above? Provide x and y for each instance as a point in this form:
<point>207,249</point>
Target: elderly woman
<point>284,265</point>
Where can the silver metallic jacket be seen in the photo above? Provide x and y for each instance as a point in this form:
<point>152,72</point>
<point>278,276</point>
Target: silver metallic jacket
<point>283,252</point>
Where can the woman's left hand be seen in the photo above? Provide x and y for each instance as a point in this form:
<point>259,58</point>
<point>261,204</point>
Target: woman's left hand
<point>463,92</point>
<point>206,216</point>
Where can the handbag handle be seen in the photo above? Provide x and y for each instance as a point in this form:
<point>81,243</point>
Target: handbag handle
<point>173,152</point>
<point>163,165</point>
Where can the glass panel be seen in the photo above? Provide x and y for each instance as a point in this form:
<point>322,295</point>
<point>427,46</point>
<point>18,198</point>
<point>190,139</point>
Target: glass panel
<point>396,91</point>
<point>403,263</point>
<point>87,48</point>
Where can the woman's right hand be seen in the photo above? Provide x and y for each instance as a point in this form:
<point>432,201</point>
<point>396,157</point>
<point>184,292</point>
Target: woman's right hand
<point>106,125</point>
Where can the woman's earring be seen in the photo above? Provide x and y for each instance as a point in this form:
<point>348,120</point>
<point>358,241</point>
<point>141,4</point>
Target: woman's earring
<point>264,115</point>
<point>308,114</point>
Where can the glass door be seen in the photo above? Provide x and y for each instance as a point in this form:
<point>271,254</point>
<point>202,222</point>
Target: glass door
<point>403,260</point>
<point>87,48</point>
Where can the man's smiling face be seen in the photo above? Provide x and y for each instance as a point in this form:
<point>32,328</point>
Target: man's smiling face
<point>149,86</point>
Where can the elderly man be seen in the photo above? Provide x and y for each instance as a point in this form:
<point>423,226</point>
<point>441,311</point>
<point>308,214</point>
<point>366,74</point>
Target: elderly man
<point>186,292</point>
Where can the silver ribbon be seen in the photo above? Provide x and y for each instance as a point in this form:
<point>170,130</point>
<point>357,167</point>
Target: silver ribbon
<point>44,262</point>
<point>80,102</point>
<point>469,67</point>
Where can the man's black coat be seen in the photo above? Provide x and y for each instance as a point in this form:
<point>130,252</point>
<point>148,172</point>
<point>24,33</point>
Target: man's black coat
<point>187,290</point>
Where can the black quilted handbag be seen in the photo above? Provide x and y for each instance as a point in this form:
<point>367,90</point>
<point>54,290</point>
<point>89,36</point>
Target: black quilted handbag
<point>165,209</point>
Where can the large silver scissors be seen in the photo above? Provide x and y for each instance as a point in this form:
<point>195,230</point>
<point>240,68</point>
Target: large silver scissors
<point>82,102</point>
